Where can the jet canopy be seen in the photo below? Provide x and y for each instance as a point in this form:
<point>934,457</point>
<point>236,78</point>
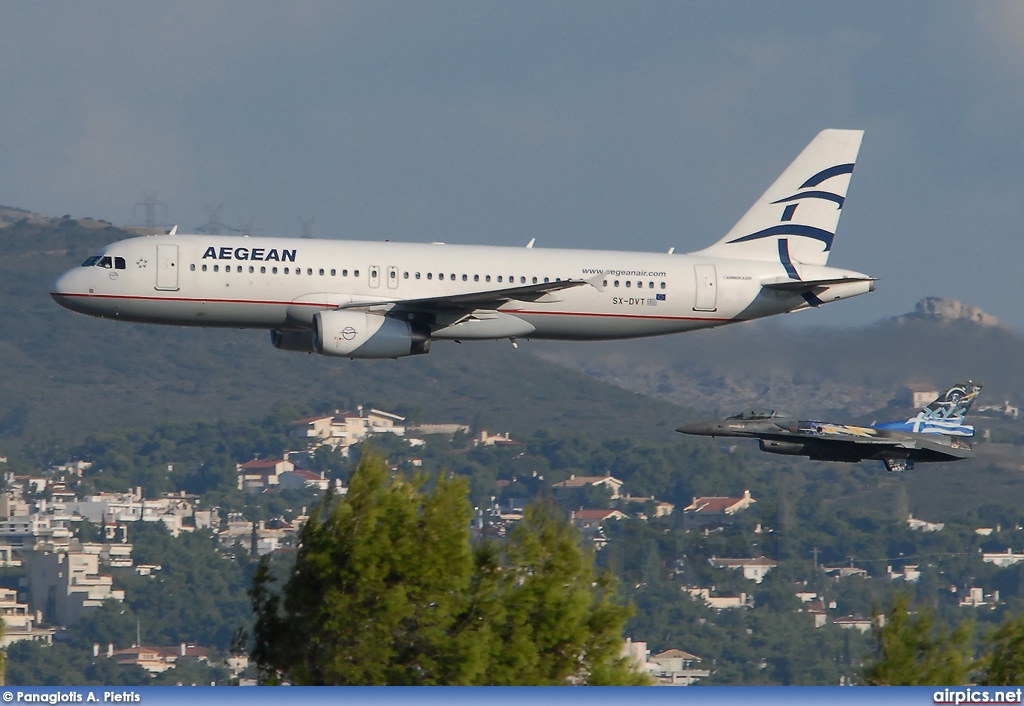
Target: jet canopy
<point>756,414</point>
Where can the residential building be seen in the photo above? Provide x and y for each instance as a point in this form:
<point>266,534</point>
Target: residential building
<point>677,668</point>
<point>485,439</point>
<point>916,524</point>
<point>976,598</point>
<point>1002,559</point>
<point>715,510</point>
<point>721,602</point>
<point>754,569</point>
<point>915,395</point>
<point>614,485</point>
<point>842,572</point>
<point>259,474</point>
<point>858,623</point>
<point>593,519</point>
<point>19,621</point>
<point>112,510</point>
<point>314,431</point>
<point>64,585</point>
<point>299,479</point>
<point>909,573</point>
<point>439,429</point>
<point>656,507</point>
<point>155,659</point>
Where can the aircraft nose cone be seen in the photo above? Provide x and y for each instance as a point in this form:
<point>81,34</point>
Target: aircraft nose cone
<point>64,291</point>
<point>59,287</point>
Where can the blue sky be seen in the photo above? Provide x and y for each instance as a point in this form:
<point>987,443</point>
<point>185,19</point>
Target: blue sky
<point>620,125</point>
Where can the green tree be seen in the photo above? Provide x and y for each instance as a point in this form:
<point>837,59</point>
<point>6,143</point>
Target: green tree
<point>386,589</point>
<point>556,620</point>
<point>915,651</point>
<point>1003,662</point>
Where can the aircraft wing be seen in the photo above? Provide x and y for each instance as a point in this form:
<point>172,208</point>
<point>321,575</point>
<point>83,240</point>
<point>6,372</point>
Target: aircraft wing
<point>472,301</point>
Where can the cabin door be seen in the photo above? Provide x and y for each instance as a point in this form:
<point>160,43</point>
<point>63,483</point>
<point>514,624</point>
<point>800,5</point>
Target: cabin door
<point>707,296</point>
<point>167,267</point>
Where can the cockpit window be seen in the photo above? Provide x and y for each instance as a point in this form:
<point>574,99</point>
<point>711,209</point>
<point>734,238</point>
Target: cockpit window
<point>756,414</point>
<point>91,261</point>
<point>119,263</point>
<point>106,261</point>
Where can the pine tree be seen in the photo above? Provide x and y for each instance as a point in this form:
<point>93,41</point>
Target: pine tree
<point>914,651</point>
<point>387,589</point>
<point>1003,663</point>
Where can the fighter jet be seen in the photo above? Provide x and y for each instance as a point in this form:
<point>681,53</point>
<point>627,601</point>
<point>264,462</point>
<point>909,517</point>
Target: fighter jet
<point>936,433</point>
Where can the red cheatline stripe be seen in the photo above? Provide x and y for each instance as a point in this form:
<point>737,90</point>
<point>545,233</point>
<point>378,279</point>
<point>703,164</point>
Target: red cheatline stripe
<point>328,306</point>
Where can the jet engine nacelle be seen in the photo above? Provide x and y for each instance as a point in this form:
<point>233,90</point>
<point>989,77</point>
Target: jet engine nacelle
<point>786,448</point>
<point>301,341</point>
<point>358,334</point>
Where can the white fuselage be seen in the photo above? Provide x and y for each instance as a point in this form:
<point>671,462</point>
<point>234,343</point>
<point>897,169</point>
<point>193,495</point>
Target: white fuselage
<point>280,283</point>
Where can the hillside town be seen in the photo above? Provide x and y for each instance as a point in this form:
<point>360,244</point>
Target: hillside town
<point>63,577</point>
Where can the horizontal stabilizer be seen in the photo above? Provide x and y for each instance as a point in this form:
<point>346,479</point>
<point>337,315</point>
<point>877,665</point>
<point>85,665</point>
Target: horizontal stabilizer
<point>804,285</point>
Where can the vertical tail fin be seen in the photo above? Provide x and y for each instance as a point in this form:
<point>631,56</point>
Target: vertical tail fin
<point>795,220</point>
<point>951,405</point>
<point>945,415</point>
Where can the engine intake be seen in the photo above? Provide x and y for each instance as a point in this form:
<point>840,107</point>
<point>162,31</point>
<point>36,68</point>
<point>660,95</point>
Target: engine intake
<point>786,448</point>
<point>358,334</point>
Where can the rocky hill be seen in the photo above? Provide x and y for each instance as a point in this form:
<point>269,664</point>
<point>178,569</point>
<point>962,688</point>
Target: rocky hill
<point>948,311</point>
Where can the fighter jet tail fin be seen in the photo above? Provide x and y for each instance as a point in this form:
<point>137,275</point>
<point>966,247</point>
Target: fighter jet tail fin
<point>799,213</point>
<point>945,415</point>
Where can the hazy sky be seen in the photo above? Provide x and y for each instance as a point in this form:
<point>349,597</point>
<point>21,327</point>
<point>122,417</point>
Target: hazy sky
<point>621,125</point>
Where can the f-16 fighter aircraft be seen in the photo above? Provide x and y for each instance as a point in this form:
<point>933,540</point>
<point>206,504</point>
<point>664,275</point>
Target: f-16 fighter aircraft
<point>936,433</point>
<point>356,299</point>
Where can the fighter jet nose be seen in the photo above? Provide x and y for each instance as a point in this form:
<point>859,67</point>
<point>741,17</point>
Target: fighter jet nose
<point>696,429</point>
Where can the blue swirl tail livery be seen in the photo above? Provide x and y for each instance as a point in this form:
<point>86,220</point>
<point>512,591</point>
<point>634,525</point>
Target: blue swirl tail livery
<point>943,416</point>
<point>360,299</point>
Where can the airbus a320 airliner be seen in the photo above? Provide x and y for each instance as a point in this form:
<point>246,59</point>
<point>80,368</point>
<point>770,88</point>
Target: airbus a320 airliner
<point>358,299</point>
